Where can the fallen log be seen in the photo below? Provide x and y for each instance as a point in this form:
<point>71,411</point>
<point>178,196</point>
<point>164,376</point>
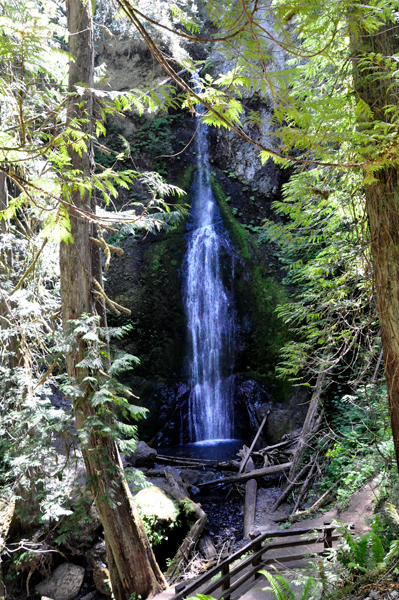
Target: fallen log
<point>245,476</point>
<point>305,486</point>
<point>206,547</point>
<point>187,461</point>
<point>314,508</point>
<point>290,487</point>
<point>251,489</point>
<point>311,423</point>
<point>196,517</point>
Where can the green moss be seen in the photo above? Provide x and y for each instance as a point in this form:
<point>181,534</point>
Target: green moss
<point>158,512</point>
<point>185,179</point>
<point>258,295</point>
<point>240,236</point>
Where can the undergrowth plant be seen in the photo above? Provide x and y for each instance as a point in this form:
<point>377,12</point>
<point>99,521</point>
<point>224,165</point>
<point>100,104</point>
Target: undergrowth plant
<point>282,588</point>
<point>358,443</point>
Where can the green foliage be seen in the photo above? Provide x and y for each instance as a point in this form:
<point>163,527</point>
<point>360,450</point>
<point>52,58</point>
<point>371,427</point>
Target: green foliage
<point>359,555</point>
<point>98,384</point>
<point>359,443</point>
<point>281,588</point>
<point>154,137</point>
<point>333,313</point>
<point>156,532</point>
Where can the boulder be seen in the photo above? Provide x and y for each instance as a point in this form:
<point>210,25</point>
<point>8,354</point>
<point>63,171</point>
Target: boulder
<point>143,456</point>
<point>101,579</point>
<point>191,476</point>
<point>153,502</point>
<point>90,596</point>
<point>159,513</point>
<point>64,583</point>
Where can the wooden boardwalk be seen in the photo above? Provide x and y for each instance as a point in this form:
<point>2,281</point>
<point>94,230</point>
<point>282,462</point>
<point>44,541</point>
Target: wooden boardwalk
<point>237,576</point>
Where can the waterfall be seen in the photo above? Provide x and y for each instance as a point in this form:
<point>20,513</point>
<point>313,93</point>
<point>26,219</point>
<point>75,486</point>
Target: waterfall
<point>209,310</point>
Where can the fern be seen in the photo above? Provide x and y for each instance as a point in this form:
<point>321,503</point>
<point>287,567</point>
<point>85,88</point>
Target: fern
<point>377,550</point>
<point>276,587</point>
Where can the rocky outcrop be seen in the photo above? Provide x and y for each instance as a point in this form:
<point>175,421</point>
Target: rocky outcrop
<point>149,278</point>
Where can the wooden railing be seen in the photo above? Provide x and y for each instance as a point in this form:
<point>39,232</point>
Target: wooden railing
<point>228,575</point>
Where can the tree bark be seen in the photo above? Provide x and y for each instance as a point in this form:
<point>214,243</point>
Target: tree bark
<point>308,426</point>
<point>376,88</point>
<point>132,565</point>
<point>6,270</point>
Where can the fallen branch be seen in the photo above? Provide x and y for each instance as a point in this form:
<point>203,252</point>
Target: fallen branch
<point>314,508</point>
<point>245,460</point>
<point>277,446</point>
<point>320,502</point>
<point>305,486</point>
<point>290,487</point>
<point>117,308</point>
<point>245,476</point>
<point>30,268</point>
<point>106,248</point>
<point>311,423</point>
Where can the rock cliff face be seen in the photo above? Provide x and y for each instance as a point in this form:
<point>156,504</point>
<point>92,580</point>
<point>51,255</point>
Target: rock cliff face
<point>148,278</point>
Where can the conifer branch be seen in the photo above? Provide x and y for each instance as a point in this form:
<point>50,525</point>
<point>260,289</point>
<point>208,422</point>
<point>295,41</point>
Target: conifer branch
<point>30,269</point>
<point>117,308</point>
<point>107,248</point>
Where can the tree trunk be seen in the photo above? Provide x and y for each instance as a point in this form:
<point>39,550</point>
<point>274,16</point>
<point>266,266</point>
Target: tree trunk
<point>133,568</point>
<point>377,89</point>
<point>6,270</point>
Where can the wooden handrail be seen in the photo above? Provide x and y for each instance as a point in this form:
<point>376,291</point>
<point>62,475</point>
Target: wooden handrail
<point>257,549</point>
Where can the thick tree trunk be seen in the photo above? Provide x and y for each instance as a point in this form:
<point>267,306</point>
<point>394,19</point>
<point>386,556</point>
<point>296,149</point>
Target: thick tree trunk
<point>382,202</point>
<point>133,568</point>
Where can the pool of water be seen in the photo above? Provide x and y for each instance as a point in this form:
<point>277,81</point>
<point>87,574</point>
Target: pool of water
<point>218,450</point>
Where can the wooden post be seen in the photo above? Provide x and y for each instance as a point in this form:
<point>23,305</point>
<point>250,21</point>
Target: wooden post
<point>327,535</point>
<point>226,582</point>
<point>257,561</point>
<point>250,502</point>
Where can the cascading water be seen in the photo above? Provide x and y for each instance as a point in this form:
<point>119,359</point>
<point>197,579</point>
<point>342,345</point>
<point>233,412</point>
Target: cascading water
<point>209,310</point>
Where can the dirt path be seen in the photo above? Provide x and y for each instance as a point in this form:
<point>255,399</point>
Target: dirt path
<point>358,512</point>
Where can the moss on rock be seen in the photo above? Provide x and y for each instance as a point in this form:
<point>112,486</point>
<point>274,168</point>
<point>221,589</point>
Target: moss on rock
<point>258,292</point>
